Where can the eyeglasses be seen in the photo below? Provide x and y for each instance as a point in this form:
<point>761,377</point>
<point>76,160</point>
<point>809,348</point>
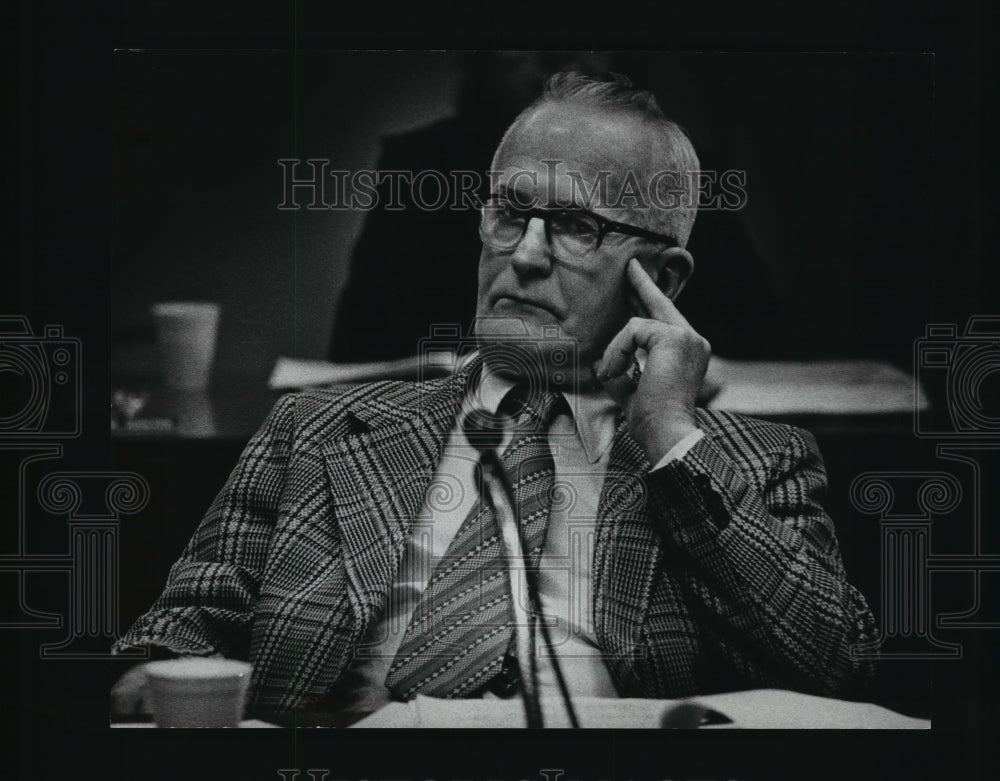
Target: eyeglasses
<point>576,232</point>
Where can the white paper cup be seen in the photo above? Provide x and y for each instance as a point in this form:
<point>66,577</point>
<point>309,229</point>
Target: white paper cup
<point>198,692</point>
<point>186,335</point>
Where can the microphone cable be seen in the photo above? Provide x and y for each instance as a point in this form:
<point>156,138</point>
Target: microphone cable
<point>485,432</point>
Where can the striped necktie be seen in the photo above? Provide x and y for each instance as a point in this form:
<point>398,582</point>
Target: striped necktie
<point>463,625</point>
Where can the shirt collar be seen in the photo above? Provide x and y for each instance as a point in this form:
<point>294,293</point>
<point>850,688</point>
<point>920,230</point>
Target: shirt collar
<point>594,414</point>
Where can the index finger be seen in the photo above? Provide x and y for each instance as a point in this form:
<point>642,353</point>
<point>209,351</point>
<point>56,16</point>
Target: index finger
<point>660,307</point>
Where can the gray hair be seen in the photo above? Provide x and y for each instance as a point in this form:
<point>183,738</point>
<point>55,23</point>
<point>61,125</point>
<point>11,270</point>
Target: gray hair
<point>615,94</point>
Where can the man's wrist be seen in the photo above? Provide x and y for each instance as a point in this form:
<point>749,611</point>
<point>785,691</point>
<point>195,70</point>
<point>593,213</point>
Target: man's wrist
<point>678,451</point>
<point>658,441</point>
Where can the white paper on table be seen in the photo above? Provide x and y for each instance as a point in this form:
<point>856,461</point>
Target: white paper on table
<point>815,387</point>
<point>756,709</point>
<point>592,712</point>
<point>296,373</point>
<point>780,709</point>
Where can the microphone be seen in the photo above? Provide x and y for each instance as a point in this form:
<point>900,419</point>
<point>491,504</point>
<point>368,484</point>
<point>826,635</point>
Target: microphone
<point>485,432</point>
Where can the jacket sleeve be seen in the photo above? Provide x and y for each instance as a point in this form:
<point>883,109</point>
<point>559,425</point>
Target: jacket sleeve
<point>206,605</point>
<point>757,556</point>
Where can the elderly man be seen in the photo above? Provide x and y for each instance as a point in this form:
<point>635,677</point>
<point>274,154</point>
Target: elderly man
<point>678,551</point>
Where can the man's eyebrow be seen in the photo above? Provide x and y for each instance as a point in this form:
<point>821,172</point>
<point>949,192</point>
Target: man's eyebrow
<point>518,196</point>
<point>503,191</point>
<point>523,197</point>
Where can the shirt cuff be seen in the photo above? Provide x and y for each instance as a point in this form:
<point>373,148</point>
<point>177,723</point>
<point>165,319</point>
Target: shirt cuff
<point>680,450</point>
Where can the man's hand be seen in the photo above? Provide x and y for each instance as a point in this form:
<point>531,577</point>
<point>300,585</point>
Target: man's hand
<point>659,409</point>
<point>130,695</point>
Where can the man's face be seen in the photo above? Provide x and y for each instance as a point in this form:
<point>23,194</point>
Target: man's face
<point>582,298</point>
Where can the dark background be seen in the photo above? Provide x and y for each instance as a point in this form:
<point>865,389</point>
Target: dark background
<point>915,178</point>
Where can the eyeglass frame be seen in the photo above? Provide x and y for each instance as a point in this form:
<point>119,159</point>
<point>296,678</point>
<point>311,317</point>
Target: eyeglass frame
<point>604,225</point>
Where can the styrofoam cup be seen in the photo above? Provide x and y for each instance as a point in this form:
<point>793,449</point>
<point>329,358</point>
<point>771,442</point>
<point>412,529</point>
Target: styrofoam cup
<point>186,335</point>
<point>198,692</point>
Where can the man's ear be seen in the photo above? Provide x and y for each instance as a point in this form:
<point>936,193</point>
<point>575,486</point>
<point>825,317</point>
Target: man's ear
<point>670,269</point>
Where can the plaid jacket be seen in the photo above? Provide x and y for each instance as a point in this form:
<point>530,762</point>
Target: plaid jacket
<point>718,572</point>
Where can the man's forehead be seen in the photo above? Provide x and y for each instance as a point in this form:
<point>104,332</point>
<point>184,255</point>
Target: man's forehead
<point>559,143</point>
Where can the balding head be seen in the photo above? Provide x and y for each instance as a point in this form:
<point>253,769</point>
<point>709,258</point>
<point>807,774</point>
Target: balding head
<point>659,186</point>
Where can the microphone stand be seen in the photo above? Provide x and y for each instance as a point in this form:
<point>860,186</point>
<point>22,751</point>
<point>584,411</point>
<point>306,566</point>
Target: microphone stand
<point>497,486</point>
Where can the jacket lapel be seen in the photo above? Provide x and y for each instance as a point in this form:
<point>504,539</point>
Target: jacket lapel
<point>626,554</point>
<point>379,475</point>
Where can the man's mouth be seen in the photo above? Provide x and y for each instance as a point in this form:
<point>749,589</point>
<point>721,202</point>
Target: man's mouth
<point>517,302</point>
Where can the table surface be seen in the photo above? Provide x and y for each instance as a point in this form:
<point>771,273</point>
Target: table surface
<point>755,709</point>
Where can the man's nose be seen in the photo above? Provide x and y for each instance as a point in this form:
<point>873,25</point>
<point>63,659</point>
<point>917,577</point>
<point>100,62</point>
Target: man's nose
<point>532,255</point>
